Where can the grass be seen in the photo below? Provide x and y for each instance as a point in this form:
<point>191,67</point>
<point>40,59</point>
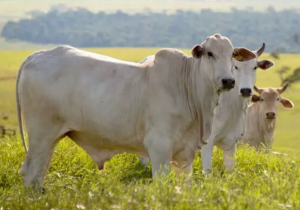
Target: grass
<point>260,181</point>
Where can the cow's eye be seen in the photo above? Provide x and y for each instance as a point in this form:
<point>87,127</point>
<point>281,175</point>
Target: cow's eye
<point>278,99</point>
<point>261,99</point>
<point>210,54</point>
<point>236,67</point>
<point>255,67</point>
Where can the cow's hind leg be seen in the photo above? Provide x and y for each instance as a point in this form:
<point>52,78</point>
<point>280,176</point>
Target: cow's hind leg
<point>42,141</point>
<point>144,161</point>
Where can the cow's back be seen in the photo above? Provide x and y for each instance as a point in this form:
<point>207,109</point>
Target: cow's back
<point>86,92</point>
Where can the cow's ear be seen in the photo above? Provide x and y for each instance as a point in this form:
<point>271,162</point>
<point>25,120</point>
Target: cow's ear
<point>255,98</point>
<point>265,64</point>
<point>197,51</point>
<point>243,54</point>
<point>286,103</point>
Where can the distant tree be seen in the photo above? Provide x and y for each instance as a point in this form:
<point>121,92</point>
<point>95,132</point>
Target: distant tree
<point>82,28</point>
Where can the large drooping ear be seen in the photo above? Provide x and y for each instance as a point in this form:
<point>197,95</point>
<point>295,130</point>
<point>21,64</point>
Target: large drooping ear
<point>286,103</point>
<point>197,51</point>
<point>281,90</point>
<point>265,64</point>
<point>260,50</point>
<point>258,90</point>
<point>255,98</point>
<point>243,54</point>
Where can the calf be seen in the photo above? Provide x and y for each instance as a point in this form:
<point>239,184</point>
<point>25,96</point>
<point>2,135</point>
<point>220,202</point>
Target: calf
<point>262,116</point>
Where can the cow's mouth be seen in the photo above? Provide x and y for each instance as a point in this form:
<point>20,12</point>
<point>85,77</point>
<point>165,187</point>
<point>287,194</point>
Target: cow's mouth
<point>246,95</point>
<point>270,118</point>
<point>226,89</point>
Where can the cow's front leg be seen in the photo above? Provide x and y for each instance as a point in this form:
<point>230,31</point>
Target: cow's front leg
<point>207,128</point>
<point>206,155</point>
<point>228,158</point>
<point>160,152</point>
<point>269,141</point>
<point>186,171</point>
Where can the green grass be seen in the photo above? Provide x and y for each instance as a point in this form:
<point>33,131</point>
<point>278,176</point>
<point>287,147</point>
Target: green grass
<point>260,181</point>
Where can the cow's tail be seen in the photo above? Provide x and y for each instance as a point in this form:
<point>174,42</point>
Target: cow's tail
<point>18,104</point>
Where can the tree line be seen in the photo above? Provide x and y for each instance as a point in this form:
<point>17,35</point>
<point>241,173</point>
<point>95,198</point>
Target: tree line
<point>183,29</point>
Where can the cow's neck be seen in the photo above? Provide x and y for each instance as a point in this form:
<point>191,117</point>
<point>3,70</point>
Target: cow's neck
<point>201,94</point>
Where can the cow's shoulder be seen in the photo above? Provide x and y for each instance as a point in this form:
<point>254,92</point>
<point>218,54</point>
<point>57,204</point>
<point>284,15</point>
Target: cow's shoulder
<point>168,53</point>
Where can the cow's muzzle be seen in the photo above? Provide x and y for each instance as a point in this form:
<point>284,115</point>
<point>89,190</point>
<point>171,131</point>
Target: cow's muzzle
<point>270,115</point>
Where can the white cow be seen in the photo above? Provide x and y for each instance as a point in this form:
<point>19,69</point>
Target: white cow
<point>108,106</point>
<point>229,118</point>
<point>261,116</point>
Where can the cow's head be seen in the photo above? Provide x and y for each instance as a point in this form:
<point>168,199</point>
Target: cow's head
<point>245,72</point>
<point>270,99</point>
<point>216,54</point>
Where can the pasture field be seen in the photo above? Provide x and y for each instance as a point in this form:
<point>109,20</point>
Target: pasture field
<point>260,181</point>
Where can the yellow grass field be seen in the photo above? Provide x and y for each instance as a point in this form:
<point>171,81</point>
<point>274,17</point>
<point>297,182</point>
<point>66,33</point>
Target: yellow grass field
<point>287,135</point>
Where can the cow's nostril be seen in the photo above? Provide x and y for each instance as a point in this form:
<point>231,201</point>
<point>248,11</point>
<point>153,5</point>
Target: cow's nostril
<point>228,83</point>
<point>246,92</point>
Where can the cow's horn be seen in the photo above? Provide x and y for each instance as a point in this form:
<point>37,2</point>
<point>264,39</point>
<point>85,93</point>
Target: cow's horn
<point>261,50</point>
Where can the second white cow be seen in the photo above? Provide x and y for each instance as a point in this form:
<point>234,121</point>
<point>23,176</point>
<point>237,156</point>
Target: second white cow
<point>230,115</point>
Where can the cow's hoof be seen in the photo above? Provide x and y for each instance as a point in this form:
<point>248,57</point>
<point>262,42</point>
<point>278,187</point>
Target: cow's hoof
<point>207,172</point>
<point>101,167</point>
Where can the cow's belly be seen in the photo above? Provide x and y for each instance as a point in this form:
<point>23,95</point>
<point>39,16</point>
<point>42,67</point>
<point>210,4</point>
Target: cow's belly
<point>120,130</point>
<point>99,142</point>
